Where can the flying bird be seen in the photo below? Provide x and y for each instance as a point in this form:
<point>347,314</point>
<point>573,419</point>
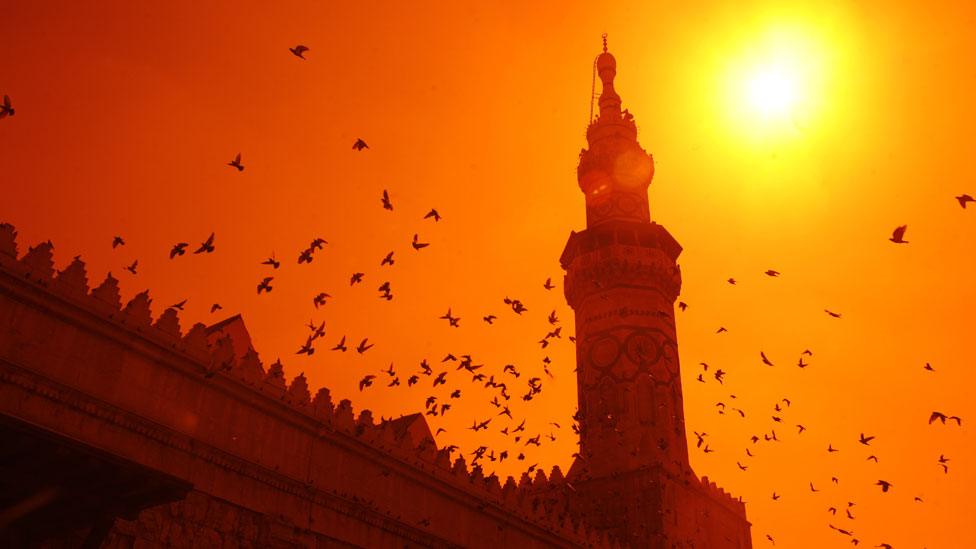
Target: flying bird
<point>299,51</point>
<point>731,281</point>
<point>771,272</point>
<point>417,244</point>
<point>682,305</point>
<point>388,260</point>
<point>207,246</point>
<point>341,346</point>
<point>362,348</point>
<point>265,285</point>
<point>884,484</point>
<point>215,307</point>
<point>356,277</point>
<point>433,213</point>
<point>942,417</point>
<point>359,145</point>
<point>764,359</point>
<point>489,318</point>
<point>274,263</point>
<point>178,249</point>
<point>452,320</point>
<point>387,205</point>
<point>865,440</point>
<point>721,329</point>
<point>236,163</point>
<point>898,235</point>
<point>5,108</point>
<point>548,284</point>
<point>319,299</point>
<point>366,382</point>
<point>132,268</point>
<point>963,198</point>
<point>831,313</point>
<point>307,348</point>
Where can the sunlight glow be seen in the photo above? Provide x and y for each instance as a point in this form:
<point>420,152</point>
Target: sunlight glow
<point>775,81</point>
<point>771,91</point>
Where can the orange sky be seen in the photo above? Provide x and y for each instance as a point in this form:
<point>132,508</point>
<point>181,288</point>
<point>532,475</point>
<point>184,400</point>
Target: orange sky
<point>127,115</point>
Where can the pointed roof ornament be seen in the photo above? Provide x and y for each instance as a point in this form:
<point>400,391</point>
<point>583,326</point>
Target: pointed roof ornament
<point>604,42</point>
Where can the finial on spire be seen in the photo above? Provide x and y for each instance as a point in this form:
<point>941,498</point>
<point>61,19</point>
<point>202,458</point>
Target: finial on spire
<point>604,42</point>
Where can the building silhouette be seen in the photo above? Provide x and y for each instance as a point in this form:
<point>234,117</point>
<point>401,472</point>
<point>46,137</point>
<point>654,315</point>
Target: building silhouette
<point>121,430</point>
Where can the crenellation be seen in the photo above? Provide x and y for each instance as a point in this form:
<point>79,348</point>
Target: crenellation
<point>343,418</point>
<point>137,313</point>
<point>168,323</point>
<point>39,262</point>
<point>250,367</point>
<point>322,407</point>
<point>460,468</point>
<point>8,243</point>
<point>298,394</point>
<point>73,280</point>
<point>195,342</point>
<point>274,380</point>
<point>107,295</point>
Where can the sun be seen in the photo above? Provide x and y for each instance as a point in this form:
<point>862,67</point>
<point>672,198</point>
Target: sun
<point>771,91</point>
<point>774,82</point>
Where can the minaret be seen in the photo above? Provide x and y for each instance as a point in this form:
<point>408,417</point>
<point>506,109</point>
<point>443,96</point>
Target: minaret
<point>622,281</point>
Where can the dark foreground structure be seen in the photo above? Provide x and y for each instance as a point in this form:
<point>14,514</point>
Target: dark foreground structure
<point>119,430</point>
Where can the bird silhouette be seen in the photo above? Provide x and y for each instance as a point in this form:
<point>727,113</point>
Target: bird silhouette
<point>433,213</point>
<point>721,329</point>
<point>356,278</point>
<point>963,198</point>
<point>319,299</point>
<point>5,108</point>
<point>236,163</point>
<point>307,348</point>
<point>682,305</point>
<point>865,440</point>
<point>898,235</point>
<point>366,382</point>
<point>363,347</point>
<point>489,318</point>
<point>452,320</point>
<point>884,484</point>
<point>731,281</point>
<point>178,249</point>
<point>265,285</point>
<point>831,313</point>
<point>178,306</point>
<point>341,346</point>
<point>548,284</point>
<point>207,246</point>
<point>417,245</point>
<point>942,417</point>
<point>215,307</point>
<point>274,263</point>
<point>359,145</point>
<point>387,205</point>
<point>117,241</point>
<point>299,51</point>
<point>764,359</point>
<point>132,268</point>
<point>772,273</point>
<point>928,367</point>
<point>388,260</point>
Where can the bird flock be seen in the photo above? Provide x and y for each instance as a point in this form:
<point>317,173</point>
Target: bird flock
<point>451,376</point>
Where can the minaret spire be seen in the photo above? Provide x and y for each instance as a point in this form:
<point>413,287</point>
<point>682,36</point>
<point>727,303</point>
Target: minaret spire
<point>622,281</point>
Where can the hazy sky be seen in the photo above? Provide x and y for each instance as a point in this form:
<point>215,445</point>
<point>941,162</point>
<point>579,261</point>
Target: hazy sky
<point>127,114</point>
